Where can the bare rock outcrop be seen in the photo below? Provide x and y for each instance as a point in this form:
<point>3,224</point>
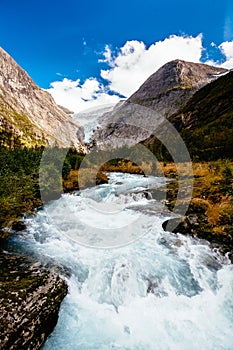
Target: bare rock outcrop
<point>30,297</point>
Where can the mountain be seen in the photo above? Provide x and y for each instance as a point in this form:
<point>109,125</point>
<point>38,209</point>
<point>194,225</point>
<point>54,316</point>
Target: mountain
<point>206,121</point>
<point>162,94</point>
<point>28,115</point>
<point>173,84</point>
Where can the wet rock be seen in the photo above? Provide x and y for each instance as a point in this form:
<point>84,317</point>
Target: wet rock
<point>197,225</point>
<point>177,243</point>
<point>18,226</point>
<point>101,178</point>
<point>30,298</point>
<point>185,225</point>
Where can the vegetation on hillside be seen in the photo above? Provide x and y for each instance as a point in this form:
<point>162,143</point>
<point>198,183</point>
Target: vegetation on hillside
<point>19,190</point>
<point>23,176</point>
<point>205,124</point>
<point>16,130</point>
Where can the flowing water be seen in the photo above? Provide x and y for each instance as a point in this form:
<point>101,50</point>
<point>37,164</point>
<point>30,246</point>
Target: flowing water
<point>154,290</point>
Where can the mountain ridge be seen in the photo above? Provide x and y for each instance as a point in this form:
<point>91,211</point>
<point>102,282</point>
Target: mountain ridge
<point>160,96</point>
<point>172,76</point>
<point>30,114</point>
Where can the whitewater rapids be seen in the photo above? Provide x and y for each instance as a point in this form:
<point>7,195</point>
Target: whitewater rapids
<point>144,290</point>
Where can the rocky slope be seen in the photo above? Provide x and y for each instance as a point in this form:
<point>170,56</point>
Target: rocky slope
<point>206,121</point>
<point>162,94</point>
<point>30,298</point>
<point>29,115</point>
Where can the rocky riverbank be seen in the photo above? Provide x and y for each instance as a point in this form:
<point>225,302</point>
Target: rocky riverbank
<point>30,298</point>
<point>210,212</point>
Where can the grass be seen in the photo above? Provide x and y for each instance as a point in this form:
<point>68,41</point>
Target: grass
<point>123,166</point>
<point>82,178</point>
<point>208,197</point>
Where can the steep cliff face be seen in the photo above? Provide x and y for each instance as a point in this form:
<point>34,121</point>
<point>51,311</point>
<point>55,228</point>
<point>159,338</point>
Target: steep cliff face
<point>162,94</point>
<point>30,114</point>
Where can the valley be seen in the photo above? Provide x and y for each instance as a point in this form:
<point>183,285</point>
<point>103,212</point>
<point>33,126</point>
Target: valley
<point>124,210</point>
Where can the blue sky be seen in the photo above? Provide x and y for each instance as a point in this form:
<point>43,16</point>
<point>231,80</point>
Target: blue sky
<point>57,39</point>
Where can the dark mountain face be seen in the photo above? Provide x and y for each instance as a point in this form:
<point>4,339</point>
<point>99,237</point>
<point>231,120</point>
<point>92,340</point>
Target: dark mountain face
<point>206,105</point>
<point>162,94</point>
<point>29,114</point>
<point>206,121</point>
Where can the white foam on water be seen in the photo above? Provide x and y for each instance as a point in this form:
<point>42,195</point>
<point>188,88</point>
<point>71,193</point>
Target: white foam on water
<point>164,291</point>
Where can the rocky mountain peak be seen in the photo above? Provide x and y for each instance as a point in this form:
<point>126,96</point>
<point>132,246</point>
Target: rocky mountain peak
<point>30,113</point>
<point>175,76</point>
<point>160,96</point>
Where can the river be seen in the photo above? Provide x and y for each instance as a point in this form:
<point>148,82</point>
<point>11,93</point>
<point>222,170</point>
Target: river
<point>132,286</point>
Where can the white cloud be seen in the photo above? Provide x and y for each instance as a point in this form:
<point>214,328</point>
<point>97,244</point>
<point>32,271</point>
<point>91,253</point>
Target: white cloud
<point>77,97</point>
<point>134,63</point>
<point>107,56</point>
<point>227,49</point>
<point>127,70</point>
